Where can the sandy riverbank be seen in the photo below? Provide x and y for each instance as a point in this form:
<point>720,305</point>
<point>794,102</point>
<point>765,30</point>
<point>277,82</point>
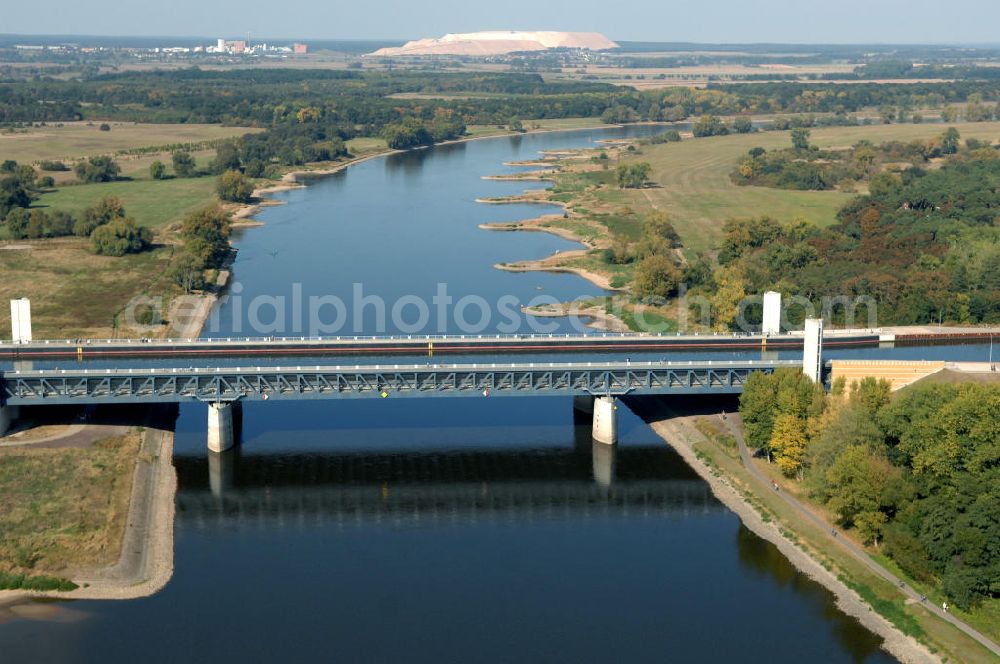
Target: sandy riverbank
<point>680,433</point>
<point>535,225</point>
<point>600,319</point>
<point>533,176</point>
<point>548,265</point>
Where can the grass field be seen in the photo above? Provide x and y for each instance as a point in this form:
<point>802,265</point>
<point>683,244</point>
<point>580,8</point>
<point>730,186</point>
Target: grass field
<point>62,507</point>
<point>153,203</point>
<point>366,145</point>
<point>73,292</point>
<point>693,184</point>
<point>73,140</point>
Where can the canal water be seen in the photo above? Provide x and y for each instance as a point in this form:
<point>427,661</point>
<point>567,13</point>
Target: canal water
<point>487,530</point>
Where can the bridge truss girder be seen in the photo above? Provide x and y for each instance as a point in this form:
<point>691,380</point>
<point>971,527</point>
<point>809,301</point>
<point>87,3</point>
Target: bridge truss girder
<point>172,385</point>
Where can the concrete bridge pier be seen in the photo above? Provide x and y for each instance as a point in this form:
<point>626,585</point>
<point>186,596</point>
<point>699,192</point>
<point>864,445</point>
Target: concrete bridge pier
<point>7,416</point>
<point>224,420</point>
<point>584,404</point>
<point>605,420</point>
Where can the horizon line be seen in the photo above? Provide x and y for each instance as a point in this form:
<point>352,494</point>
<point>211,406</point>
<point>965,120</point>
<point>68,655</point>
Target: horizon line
<point>395,39</point>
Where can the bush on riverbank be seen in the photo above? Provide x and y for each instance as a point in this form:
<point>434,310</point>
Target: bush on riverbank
<point>13,581</point>
<point>234,187</point>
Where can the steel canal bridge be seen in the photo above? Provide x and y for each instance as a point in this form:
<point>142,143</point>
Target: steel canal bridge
<point>595,386</point>
<point>159,385</point>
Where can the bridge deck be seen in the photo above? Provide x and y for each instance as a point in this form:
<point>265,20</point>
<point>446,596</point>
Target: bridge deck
<point>412,345</point>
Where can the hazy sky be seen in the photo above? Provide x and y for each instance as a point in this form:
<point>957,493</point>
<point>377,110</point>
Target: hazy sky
<point>800,21</point>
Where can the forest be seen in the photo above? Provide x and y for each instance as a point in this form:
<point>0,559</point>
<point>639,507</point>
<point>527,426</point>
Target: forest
<point>916,474</point>
<point>923,244</point>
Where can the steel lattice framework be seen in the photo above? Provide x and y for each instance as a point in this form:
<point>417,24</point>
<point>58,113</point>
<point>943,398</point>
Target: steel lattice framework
<point>32,388</point>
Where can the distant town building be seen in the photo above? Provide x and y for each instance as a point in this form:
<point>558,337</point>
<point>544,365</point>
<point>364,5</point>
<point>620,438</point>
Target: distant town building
<point>300,49</point>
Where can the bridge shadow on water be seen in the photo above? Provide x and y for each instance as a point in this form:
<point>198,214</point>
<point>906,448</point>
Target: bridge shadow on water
<point>584,479</point>
<point>637,489</point>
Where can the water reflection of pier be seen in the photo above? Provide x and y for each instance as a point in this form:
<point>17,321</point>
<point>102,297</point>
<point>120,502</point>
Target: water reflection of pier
<point>438,487</point>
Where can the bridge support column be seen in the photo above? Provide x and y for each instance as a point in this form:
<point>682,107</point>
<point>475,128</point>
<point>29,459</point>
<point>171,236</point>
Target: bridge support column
<point>221,429</point>
<point>605,420</point>
<point>584,404</point>
<point>812,354</point>
<point>7,416</point>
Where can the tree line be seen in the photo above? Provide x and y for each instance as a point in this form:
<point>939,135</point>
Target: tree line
<point>922,246</point>
<point>916,474</point>
<point>805,166</point>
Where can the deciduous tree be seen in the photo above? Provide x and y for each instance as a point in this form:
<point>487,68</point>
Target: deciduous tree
<point>656,276</point>
<point>184,164</point>
<point>234,187</point>
<point>119,237</point>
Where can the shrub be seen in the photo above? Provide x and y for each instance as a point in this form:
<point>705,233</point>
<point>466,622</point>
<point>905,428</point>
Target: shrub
<point>121,236</point>
<point>108,208</point>
<point>184,164</point>
<point>632,176</point>
<point>656,276</point>
<point>235,187</point>
<point>157,170</point>
<point>97,169</point>
<point>709,125</point>
<point>52,166</point>
<point>15,581</point>
<point>671,136</point>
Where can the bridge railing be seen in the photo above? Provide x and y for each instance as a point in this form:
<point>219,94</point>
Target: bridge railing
<point>368,338</point>
<point>429,366</point>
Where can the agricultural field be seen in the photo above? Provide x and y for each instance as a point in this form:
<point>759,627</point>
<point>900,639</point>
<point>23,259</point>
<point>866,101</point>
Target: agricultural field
<point>134,146</point>
<point>73,140</point>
